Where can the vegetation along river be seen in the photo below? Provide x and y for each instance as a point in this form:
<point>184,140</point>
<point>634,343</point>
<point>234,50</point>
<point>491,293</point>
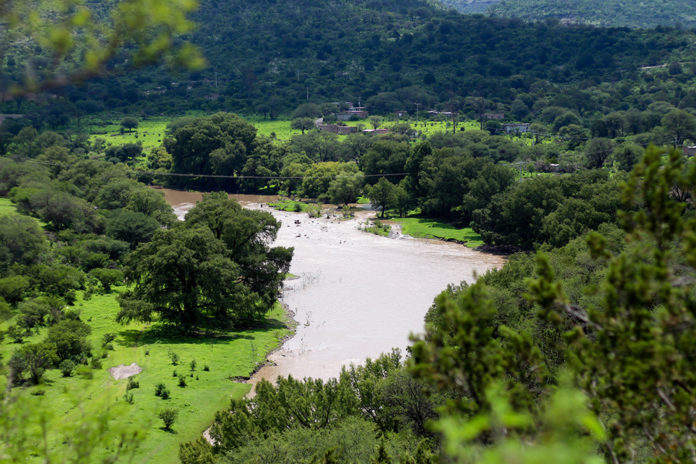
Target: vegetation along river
<point>358,294</point>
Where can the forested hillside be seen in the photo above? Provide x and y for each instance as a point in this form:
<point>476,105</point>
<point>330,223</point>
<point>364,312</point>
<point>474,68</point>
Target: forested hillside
<point>266,57</point>
<point>637,14</point>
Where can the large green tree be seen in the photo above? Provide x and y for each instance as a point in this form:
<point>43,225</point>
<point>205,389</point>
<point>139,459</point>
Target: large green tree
<point>217,268</point>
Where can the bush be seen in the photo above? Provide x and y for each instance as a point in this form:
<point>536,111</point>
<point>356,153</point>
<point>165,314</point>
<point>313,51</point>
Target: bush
<point>174,358</point>
<point>206,368</point>
<point>168,417</point>
<point>67,367</point>
<point>132,384</point>
<point>108,338</point>
<point>95,363</point>
<point>84,372</point>
<point>161,391</point>
<point>174,374</point>
<point>128,397</point>
<point>193,365</point>
<point>182,381</point>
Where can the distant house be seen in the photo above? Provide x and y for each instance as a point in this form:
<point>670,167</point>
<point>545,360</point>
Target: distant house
<point>516,128</point>
<point>376,131</point>
<point>690,151</point>
<point>401,114</point>
<point>352,113</point>
<point>494,116</point>
<point>336,129</point>
<point>9,116</point>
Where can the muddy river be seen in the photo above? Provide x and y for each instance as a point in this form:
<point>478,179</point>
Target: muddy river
<point>358,294</point>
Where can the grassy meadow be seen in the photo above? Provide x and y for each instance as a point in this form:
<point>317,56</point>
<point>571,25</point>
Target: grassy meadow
<point>151,131</point>
<point>227,356</point>
<point>421,227</point>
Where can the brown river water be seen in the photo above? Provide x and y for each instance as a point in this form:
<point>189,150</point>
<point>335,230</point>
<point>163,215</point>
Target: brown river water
<point>358,294</point>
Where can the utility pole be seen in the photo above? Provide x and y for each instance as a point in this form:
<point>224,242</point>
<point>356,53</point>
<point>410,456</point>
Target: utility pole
<point>216,81</point>
<point>308,93</point>
<point>417,105</point>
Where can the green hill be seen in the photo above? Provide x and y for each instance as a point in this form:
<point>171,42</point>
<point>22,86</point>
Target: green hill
<point>267,57</point>
<point>635,13</point>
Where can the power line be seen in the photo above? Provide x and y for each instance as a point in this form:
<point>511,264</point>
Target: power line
<point>220,176</point>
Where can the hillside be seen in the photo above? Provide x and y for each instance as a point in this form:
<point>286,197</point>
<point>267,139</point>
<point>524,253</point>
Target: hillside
<point>636,14</point>
<point>267,57</point>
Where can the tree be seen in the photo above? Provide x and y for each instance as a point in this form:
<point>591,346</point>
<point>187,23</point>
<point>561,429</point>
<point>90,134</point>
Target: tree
<point>381,195</point>
<point>375,121</point>
<point>217,144</point>
<point>129,123</point>
<point>597,151</point>
<point>345,188</point>
<point>215,269</point>
<point>34,360</point>
<point>168,417</point>
<point>107,277</point>
<point>21,241</point>
<point>13,288</point>
<point>69,339</point>
<point>132,227</point>
<point>302,124</point>
<point>627,155</point>
<point>680,125</point>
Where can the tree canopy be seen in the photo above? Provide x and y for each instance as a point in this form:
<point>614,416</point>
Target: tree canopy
<point>214,270</point>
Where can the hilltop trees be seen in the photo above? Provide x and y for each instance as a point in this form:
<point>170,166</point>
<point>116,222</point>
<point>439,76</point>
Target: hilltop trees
<point>215,269</point>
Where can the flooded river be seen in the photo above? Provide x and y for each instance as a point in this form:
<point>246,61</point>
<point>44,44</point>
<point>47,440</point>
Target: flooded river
<point>358,294</point>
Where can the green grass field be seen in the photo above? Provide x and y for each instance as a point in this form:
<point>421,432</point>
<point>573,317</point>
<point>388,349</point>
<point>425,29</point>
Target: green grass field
<point>421,227</point>
<point>229,355</point>
<point>151,131</point>
<point>6,207</point>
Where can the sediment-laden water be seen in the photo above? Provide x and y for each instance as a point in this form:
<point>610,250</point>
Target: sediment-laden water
<point>358,294</point>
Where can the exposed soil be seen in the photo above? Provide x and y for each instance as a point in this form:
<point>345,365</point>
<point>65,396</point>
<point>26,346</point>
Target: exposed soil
<point>123,371</point>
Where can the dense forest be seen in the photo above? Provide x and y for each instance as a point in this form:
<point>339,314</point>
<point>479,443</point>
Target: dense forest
<point>615,13</point>
<point>268,57</point>
<point>578,350</point>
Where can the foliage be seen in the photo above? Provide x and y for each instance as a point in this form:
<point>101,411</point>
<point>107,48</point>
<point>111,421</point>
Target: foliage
<point>606,13</point>
<point>215,268</point>
<point>168,417</point>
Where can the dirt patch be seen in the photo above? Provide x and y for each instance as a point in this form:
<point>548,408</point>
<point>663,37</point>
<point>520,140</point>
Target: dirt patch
<point>123,371</point>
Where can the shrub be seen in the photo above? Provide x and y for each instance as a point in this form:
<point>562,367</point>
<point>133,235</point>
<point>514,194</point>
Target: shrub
<point>67,367</point>
<point>95,363</point>
<point>132,383</point>
<point>182,381</point>
<point>206,368</point>
<point>193,365</point>
<point>84,372</point>
<point>161,391</point>
<point>174,358</point>
<point>174,374</point>
<point>108,338</point>
<point>128,397</point>
<point>168,417</point>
